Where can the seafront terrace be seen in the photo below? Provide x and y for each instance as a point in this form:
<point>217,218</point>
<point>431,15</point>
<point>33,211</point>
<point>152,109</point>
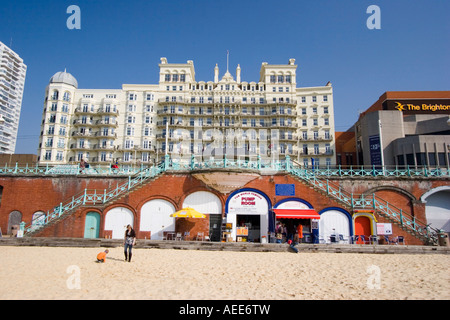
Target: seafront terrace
<point>196,163</point>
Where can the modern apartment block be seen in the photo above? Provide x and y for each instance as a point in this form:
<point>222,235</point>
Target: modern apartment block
<point>12,82</point>
<point>182,117</point>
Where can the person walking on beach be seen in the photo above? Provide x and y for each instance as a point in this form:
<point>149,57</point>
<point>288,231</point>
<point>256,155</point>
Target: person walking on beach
<point>129,242</point>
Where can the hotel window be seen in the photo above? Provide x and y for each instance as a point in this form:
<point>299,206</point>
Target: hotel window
<point>201,99</point>
<point>315,122</point>
<point>274,89</point>
<point>314,110</point>
<point>326,121</point>
<point>280,79</point>
<point>304,123</point>
<point>274,121</point>
<point>66,96</point>
<point>65,108</point>
<point>327,148</point>
<point>129,144</point>
<point>272,79</point>
<point>305,135</point>
<point>305,149</point>
<point>327,134</point>
<point>328,162</point>
<point>288,79</point>
<point>132,96</point>
<point>59,156</point>
<point>303,111</point>
<point>146,131</point>
<point>305,162</point>
<point>167,88</point>
<point>325,110</point>
<point>174,88</point>
<point>316,149</point>
<point>325,98</point>
<point>261,122</point>
<point>280,89</point>
<point>130,131</point>
<point>167,78</point>
<point>314,99</point>
<point>150,97</point>
<point>48,155</point>
<point>63,120</point>
<point>253,122</point>
<point>303,99</point>
<point>54,107</point>
<point>182,78</point>
<point>51,130</point>
<point>174,77</point>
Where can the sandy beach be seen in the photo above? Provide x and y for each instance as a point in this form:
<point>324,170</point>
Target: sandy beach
<point>72,273</point>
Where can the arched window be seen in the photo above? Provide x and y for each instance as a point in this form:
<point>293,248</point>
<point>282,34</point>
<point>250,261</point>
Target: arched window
<point>55,95</point>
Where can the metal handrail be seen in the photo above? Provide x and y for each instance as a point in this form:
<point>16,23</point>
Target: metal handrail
<point>94,196</point>
<point>257,163</point>
<point>310,175</point>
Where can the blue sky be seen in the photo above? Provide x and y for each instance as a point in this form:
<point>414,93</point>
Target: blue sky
<point>122,41</point>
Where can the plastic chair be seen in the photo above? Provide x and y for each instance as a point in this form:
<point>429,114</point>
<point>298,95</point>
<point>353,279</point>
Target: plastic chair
<point>162,235</point>
<point>401,239</point>
<point>387,240</point>
<point>200,235</point>
<point>178,236</point>
<point>364,240</point>
<point>186,235</point>
<point>373,239</point>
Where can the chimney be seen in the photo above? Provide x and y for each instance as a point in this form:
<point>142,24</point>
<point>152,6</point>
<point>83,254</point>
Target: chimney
<point>216,74</point>
<point>238,74</point>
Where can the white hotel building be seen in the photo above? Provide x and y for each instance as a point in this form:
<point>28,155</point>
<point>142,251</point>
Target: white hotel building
<point>12,82</point>
<point>270,118</point>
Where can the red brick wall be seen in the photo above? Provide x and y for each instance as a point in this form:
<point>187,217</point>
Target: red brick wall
<point>29,195</point>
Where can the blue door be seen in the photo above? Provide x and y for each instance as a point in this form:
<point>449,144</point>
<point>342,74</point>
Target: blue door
<point>92,225</point>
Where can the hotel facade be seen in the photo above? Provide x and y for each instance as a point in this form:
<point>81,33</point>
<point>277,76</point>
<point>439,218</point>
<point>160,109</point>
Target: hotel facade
<point>227,117</point>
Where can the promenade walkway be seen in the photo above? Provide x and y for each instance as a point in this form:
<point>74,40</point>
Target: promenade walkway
<point>225,246</point>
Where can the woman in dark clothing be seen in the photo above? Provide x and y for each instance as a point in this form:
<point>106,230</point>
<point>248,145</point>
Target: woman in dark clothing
<point>129,242</point>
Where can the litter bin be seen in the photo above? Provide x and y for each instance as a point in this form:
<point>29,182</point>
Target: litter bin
<point>443,239</point>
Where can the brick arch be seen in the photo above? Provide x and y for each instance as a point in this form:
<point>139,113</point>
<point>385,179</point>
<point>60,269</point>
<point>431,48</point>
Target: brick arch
<point>391,188</point>
<point>396,196</point>
<point>154,197</point>
<point>201,188</point>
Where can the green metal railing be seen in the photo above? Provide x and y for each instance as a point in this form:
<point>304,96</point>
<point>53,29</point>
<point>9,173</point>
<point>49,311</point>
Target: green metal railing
<point>310,175</point>
<point>368,202</point>
<point>256,162</point>
<point>94,197</point>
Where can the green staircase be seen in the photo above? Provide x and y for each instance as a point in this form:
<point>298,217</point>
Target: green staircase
<point>353,201</point>
<point>93,197</point>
